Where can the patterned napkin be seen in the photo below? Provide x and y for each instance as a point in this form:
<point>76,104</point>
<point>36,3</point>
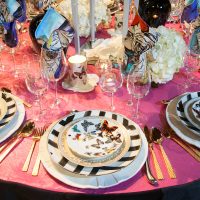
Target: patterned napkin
<point>190,12</point>
<point>10,12</point>
<point>54,30</point>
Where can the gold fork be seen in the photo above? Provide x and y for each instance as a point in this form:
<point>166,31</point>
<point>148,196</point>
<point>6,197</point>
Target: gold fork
<point>37,162</point>
<point>38,132</point>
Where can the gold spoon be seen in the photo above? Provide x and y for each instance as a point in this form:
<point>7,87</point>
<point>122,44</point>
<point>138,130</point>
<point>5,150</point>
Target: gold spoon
<point>157,138</point>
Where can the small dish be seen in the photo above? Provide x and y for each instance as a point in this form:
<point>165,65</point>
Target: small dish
<point>92,80</point>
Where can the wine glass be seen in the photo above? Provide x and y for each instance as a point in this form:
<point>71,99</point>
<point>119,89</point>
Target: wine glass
<point>36,82</point>
<point>54,65</point>
<point>103,65</point>
<point>110,82</point>
<point>177,7</point>
<point>138,83</point>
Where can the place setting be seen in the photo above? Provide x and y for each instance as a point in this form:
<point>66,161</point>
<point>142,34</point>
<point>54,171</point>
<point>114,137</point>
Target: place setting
<point>93,149</point>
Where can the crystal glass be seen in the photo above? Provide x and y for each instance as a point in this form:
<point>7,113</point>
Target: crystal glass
<point>36,82</point>
<point>110,82</point>
<point>54,65</point>
<point>138,83</point>
<point>103,65</point>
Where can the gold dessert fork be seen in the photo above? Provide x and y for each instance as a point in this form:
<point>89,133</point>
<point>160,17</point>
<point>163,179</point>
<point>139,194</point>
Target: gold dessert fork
<point>157,138</point>
<point>38,132</point>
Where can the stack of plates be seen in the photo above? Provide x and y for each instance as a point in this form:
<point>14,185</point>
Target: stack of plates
<point>93,149</point>
<point>183,115</point>
<point>12,113</point>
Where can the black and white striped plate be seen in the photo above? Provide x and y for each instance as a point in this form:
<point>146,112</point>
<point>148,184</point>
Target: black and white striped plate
<point>181,114</point>
<point>11,109</point>
<point>128,158</point>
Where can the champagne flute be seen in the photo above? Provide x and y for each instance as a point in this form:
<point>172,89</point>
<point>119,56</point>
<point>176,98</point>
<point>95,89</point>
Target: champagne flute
<point>35,82</point>
<point>138,84</point>
<point>54,65</point>
<point>110,82</point>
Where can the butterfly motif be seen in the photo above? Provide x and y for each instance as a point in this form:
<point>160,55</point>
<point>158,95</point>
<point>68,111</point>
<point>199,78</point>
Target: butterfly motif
<point>107,129</point>
<point>79,74</point>
<point>77,136</point>
<point>98,126</point>
<point>86,124</point>
<point>116,138</point>
<point>99,142</point>
<point>75,129</point>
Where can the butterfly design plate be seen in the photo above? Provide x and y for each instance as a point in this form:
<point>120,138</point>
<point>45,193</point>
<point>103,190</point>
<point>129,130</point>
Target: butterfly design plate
<point>3,108</point>
<point>190,114</point>
<point>127,159</point>
<point>196,110</point>
<point>11,109</point>
<point>181,114</point>
<point>86,141</point>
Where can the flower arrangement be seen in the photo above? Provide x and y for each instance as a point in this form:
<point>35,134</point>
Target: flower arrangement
<point>84,13</point>
<point>167,55</point>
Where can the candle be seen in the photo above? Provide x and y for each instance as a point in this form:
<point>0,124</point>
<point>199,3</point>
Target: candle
<point>74,4</point>
<point>92,20</point>
<point>126,17</point>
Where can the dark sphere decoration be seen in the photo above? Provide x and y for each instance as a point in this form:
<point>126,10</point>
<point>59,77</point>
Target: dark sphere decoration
<point>32,28</point>
<point>154,12</point>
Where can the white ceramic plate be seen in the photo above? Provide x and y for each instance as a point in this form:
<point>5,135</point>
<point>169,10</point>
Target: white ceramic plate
<point>86,134</point>
<point>93,79</point>
<point>179,128</point>
<point>10,128</point>
<point>61,160</point>
<point>181,114</point>
<point>189,113</point>
<point>11,109</point>
<point>93,182</point>
<point>3,108</point>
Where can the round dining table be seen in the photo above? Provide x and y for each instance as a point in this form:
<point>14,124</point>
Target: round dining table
<point>16,184</point>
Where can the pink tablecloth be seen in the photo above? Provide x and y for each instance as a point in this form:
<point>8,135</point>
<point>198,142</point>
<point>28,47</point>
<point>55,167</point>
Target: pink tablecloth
<point>187,169</point>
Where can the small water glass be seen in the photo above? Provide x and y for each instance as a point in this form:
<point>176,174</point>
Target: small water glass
<point>36,82</point>
<point>110,82</point>
<point>138,85</point>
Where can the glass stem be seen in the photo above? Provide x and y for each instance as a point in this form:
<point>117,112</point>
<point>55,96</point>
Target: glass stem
<point>56,92</point>
<point>137,108</point>
<point>130,101</point>
<point>112,104</point>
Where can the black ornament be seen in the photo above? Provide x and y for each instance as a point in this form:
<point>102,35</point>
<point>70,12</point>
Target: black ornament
<point>154,12</point>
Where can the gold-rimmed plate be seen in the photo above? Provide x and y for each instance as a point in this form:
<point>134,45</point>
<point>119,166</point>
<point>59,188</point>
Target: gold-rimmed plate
<point>88,143</point>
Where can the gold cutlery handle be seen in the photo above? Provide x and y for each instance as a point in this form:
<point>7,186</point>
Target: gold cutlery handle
<point>170,169</point>
<point>28,159</point>
<point>193,152</point>
<point>156,165</point>
<point>36,166</point>
<point>8,150</point>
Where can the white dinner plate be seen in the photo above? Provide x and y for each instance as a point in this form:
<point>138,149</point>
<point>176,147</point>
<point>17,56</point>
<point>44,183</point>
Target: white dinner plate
<point>124,161</point>
<point>93,182</point>
<point>179,128</point>
<point>18,119</point>
<point>189,113</point>
<point>3,108</point>
<point>11,109</point>
<point>181,114</point>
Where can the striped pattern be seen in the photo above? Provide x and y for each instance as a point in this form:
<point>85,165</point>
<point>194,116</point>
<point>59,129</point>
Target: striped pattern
<point>11,109</point>
<point>94,171</point>
<point>180,111</point>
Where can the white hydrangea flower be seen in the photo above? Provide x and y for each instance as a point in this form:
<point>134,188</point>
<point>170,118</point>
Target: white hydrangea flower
<point>84,13</point>
<point>168,55</point>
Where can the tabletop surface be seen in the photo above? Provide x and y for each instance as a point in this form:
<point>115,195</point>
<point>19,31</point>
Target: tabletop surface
<point>186,168</point>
